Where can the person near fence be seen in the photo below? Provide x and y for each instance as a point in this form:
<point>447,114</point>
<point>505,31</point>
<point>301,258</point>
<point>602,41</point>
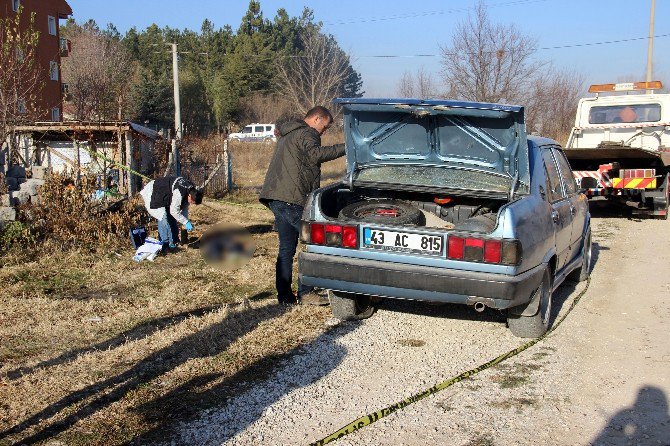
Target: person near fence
<point>294,172</point>
<point>167,200</point>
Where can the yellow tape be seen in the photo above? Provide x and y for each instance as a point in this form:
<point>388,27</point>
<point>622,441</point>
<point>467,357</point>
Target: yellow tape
<point>373,417</point>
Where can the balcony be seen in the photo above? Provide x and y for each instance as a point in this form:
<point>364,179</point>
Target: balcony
<point>65,47</point>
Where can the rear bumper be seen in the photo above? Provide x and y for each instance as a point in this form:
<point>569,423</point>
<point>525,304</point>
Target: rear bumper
<point>395,280</point>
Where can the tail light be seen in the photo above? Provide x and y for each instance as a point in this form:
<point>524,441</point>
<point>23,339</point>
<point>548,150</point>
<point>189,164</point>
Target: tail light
<point>329,235</point>
<point>475,249</point>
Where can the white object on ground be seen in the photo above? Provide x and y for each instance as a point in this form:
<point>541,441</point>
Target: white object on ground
<point>149,250</point>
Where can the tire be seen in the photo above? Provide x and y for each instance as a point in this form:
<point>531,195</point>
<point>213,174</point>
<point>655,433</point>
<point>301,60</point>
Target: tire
<point>583,273</point>
<point>538,324</point>
<point>480,223</point>
<point>350,307</point>
<point>391,212</point>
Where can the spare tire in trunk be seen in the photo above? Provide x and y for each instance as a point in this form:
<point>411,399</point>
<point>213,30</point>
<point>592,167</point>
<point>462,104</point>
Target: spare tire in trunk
<point>392,212</point>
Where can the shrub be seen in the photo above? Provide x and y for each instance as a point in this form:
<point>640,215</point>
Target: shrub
<point>69,217</point>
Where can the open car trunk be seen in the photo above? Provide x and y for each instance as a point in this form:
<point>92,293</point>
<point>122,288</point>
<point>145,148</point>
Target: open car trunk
<point>408,208</point>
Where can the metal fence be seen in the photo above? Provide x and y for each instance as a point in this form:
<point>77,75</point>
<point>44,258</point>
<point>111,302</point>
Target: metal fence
<point>213,172</point>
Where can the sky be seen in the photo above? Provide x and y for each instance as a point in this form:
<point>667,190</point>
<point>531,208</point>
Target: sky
<point>407,29</point>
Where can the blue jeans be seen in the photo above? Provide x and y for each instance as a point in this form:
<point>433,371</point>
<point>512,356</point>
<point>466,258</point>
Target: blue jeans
<point>168,231</point>
<point>287,222</point>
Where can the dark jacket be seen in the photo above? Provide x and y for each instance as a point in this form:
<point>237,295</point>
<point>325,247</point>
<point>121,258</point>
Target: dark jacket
<point>165,187</point>
<point>295,168</point>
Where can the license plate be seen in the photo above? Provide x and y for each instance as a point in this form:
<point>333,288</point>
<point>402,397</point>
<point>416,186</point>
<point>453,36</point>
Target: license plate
<point>403,241</point>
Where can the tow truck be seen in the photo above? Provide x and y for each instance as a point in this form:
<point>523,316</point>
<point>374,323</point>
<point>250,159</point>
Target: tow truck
<point>619,147</point>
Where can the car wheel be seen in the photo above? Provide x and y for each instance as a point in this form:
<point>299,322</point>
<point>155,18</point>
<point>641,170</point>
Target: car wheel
<point>538,324</point>
<point>580,275</point>
<point>350,307</point>
<point>383,211</point>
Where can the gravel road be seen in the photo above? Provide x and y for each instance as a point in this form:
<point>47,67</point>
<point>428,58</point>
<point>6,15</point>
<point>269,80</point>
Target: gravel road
<point>602,378</point>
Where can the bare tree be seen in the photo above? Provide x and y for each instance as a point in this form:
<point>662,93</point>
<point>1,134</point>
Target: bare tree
<point>552,103</point>
<point>406,85</point>
<point>21,75</point>
<point>98,72</point>
<point>425,84</point>
<point>420,85</point>
<point>488,62</point>
<point>317,75</point>
<point>264,108</point>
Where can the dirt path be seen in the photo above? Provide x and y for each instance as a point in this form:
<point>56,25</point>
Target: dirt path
<point>602,378</point>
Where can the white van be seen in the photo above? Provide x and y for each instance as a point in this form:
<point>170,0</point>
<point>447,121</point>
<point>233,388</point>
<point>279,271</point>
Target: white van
<point>255,133</point>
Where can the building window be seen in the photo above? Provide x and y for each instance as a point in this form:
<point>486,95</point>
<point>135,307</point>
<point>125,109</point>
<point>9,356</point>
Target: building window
<point>52,25</point>
<point>21,106</point>
<point>53,70</point>
<point>16,4</point>
<point>55,114</point>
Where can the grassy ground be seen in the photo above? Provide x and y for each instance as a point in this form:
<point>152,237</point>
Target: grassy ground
<point>98,349</point>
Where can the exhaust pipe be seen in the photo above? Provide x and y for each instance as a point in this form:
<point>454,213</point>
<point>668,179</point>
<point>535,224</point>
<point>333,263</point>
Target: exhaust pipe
<point>479,307</point>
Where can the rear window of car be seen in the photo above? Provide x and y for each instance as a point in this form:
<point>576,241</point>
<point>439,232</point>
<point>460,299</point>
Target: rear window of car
<point>555,189</point>
<point>566,172</point>
<point>268,128</point>
<point>615,114</point>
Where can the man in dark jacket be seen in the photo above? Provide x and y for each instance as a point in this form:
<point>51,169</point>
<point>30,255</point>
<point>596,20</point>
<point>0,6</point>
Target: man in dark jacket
<point>167,200</point>
<point>294,172</point>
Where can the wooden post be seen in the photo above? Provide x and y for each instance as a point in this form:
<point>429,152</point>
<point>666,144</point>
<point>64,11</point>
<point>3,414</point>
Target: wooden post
<point>228,161</point>
<point>78,155</point>
<point>130,162</point>
<point>122,161</point>
<point>48,154</point>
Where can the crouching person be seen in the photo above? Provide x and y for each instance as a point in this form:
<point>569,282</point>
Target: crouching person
<point>167,200</point>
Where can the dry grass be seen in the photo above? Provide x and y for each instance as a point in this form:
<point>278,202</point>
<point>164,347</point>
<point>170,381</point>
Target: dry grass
<point>97,349</point>
<point>251,161</point>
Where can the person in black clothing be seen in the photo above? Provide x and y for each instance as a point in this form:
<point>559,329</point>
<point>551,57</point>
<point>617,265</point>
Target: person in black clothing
<point>167,200</point>
<point>294,172</point>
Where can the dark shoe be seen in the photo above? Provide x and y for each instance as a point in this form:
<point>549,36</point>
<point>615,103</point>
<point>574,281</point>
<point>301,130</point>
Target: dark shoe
<point>292,300</point>
<point>314,298</point>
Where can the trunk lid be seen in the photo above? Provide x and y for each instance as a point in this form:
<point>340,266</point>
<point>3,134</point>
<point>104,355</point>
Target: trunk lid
<point>436,145</point>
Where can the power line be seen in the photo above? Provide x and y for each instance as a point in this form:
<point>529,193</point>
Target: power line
<point>574,45</point>
<point>426,13</point>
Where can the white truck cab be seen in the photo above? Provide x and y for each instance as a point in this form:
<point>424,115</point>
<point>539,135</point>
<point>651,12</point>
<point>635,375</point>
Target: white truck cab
<point>620,146</point>
<point>636,120</point>
<point>255,133</point>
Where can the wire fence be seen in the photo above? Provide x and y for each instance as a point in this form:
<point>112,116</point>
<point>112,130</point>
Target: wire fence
<point>213,173</point>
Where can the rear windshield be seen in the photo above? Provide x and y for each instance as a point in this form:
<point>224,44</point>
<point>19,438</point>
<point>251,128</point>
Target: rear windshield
<point>435,177</point>
<point>615,114</point>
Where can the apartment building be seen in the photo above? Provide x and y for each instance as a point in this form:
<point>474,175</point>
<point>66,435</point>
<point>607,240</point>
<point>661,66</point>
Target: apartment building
<point>51,47</point>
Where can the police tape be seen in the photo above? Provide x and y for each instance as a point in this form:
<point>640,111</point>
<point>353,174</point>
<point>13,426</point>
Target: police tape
<point>114,163</point>
<point>373,417</point>
<point>134,172</point>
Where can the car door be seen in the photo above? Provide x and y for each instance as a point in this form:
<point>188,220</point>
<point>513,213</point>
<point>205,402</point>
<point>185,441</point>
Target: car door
<point>578,202</point>
<point>561,215</point>
<point>258,132</point>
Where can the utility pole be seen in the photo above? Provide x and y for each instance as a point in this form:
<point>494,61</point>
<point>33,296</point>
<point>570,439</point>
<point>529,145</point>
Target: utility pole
<point>177,109</point>
<point>650,44</point>
<point>175,79</point>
